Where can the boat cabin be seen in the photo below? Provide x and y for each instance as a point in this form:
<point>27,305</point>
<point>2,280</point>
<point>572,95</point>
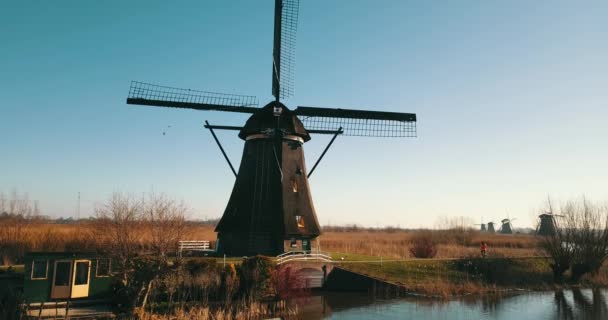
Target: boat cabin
<point>60,276</point>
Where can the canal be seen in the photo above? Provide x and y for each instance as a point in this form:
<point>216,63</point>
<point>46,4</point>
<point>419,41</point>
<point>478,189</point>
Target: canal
<point>564,304</point>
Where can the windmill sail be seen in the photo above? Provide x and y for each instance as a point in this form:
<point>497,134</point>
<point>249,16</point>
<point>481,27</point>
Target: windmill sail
<point>142,93</point>
<point>271,201</point>
<point>284,47</point>
<point>358,122</point>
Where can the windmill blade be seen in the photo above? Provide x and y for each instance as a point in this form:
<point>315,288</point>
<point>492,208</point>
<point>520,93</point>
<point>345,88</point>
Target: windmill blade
<point>146,94</point>
<point>359,122</point>
<point>284,47</point>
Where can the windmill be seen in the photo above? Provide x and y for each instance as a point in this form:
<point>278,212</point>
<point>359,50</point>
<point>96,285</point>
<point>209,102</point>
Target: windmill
<point>506,227</point>
<point>547,224</point>
<point>482,226</point>
<point>271,202</point>
<point>491,227</point>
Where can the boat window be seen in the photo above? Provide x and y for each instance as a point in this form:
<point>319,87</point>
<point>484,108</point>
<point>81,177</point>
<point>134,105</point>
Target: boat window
<point>39,269</point>
<point>62,273</point>
<point>82,273</point>
<point>103,267</point>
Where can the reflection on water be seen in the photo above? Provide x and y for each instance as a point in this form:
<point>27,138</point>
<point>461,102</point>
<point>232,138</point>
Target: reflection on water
<point>565,304</point>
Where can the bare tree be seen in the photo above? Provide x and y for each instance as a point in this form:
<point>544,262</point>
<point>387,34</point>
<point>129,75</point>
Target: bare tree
<point>118,227</point>
<point>590,239</point>
<point>580,242</point>
<point>558,245</point>
<point>166,222</point>
<point>2,204</point>
<point>16,214</point>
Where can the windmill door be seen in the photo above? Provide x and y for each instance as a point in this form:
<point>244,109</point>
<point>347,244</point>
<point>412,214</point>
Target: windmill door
<point>71,278</point>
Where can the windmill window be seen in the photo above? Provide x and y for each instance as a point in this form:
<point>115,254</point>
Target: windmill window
<point>300,221</point>
<point>294,185</point>
<point>40,269</point>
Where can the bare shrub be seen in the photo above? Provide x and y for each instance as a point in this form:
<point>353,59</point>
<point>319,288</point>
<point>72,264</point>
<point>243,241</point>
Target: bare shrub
<point>287,283</point>
<point>118,228</point>
<point>15,214</point>
<point>256,276</point>
<point>231,282</point>
<point>166,220</point>
<point>580,242</point>
<point>423,245</point>
<point>590,239</point>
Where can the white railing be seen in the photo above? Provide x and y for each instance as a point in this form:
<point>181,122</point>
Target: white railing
<point>290,256</point>
<point>193,245</point>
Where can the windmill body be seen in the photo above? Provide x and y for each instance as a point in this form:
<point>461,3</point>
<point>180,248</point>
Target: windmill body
<point>491,227</point>
<point>506,227</point>
<point>270,200</point>
<point>547,225</point>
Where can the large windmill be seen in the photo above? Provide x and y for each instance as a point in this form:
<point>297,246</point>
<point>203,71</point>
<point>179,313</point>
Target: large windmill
<point>271,201</point>
<point>482,226</point>
<point>506,227</point>
<point>547,225</point>
<point>491,227</point>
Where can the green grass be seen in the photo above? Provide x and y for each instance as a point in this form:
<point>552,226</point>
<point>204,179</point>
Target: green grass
<point>336,256</point>
<point>502,272</point>
<point>18,268</point>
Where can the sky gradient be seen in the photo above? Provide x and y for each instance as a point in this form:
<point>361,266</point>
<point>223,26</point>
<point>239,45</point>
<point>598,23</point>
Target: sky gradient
<point>511,98</point>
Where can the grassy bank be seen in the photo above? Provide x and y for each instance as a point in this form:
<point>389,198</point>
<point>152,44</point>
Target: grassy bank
<point>455,277</point>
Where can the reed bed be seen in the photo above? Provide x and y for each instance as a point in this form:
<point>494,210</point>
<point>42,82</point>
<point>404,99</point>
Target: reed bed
<point>237,311</point>
<point>451,243</point>
<point>15,240</point>
<point>32,236</point>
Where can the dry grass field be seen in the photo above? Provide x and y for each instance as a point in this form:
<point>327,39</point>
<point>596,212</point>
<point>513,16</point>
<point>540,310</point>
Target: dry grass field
<point>451,243</point>
<point>386,243</point>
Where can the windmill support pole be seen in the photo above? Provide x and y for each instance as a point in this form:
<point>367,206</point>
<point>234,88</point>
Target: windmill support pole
<point>340,131</point>
<point>208,126</point>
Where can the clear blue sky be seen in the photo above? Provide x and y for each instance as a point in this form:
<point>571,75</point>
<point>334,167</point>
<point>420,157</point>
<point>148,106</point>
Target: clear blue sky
<point>511,98</point>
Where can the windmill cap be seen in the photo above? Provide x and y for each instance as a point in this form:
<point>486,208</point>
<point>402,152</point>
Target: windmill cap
<point>266,118</point>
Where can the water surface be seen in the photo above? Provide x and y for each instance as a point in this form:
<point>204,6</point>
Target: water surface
<point>566,304</point>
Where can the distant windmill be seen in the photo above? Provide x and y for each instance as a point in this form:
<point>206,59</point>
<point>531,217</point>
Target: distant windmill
<point>271,201</point>
<point>482,226</point>
<point>506,227</point>
<point>546,224</point>
<point>491,227</point>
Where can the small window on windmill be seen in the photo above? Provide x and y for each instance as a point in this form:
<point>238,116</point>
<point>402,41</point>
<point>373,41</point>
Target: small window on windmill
<point>294,243</point>
<point>294,185</point>
<point>300,221</point>
<point>277,111</point>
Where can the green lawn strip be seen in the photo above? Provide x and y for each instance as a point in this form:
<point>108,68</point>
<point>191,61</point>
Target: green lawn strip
<point>337,256</point>
<point>507,272</point>
<point>18,268</point>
